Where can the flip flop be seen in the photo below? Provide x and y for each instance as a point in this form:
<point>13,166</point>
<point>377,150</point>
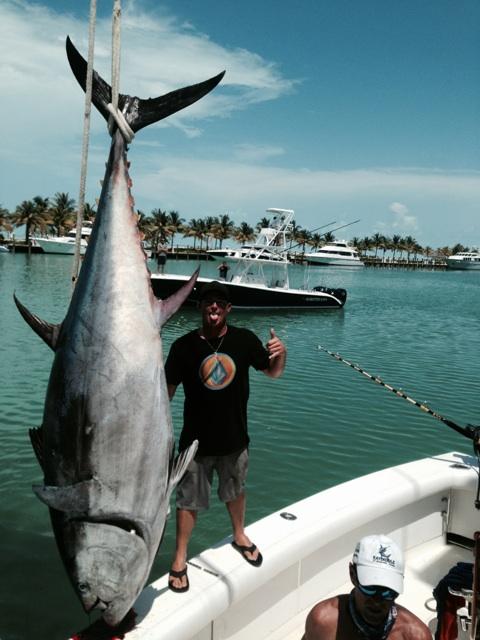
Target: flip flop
<point>178,574</point>
<point>243,550</point>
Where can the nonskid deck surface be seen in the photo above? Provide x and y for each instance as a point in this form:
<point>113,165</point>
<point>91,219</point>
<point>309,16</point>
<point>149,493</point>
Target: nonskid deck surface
<point>424,567</point>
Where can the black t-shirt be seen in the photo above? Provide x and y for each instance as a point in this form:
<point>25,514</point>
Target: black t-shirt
<point>216,387</point>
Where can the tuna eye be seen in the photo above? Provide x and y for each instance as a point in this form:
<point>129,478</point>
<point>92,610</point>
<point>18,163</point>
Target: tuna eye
<point>83,586</point>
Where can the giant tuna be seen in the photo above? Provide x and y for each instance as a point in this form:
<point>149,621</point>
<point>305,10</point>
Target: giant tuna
<point>106,445</point>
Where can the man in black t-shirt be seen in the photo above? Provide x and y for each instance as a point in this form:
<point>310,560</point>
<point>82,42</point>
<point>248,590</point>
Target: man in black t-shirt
<point>212,363</point>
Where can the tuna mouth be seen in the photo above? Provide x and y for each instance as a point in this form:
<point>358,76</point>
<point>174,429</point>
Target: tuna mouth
<point>129,526</point>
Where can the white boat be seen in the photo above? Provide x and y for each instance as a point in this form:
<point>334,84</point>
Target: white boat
<point>335,254</point>
<point>464,260</point>
<point>426,506</point>
<point>65,244</point>
<point>254,288</point>
<point>260,279</point>
<point>4,249</point>
<point>270,245</point>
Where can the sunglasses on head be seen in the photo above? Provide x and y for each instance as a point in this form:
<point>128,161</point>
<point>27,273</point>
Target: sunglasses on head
<point>375,591</point>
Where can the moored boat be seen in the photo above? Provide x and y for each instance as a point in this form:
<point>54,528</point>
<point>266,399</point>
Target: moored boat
<point>65,244</point>
<point>249,291</point>
<point>465,260</point>
<point>260,279</point>
<point>335,254</point>
<point>426,506</point>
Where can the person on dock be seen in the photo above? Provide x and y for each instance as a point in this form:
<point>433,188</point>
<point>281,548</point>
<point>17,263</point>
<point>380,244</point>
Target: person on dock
<point>161,259</point>
<point>223,270</point>
<point>212,364</point>
<point>369,611</point>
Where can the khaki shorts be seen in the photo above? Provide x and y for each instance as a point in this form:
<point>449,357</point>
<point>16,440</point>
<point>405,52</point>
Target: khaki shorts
<point>193,492</point>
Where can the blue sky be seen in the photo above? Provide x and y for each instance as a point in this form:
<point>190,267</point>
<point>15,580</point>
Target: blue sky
<point>339,110</point>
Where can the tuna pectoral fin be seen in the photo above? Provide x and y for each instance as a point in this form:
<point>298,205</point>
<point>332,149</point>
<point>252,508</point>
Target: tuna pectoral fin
<point>36,438</point>
<point>181,464</point>
<point>75,498</point>
<point>167,307</point>
<point>47,332</point>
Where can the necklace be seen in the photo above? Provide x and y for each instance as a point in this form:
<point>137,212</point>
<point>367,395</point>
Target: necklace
<point>215,351</point>
<point>367,631</point>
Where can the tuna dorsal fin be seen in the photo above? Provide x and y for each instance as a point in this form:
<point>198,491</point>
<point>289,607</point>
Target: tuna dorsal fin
<point>36,438</point>
<point>138,113</point>
<point>47,331</point>
<point>181,465</point>
<point>169,306</point>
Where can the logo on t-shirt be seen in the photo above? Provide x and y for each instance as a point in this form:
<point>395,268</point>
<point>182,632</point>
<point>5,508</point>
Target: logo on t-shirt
<point>217,371</point>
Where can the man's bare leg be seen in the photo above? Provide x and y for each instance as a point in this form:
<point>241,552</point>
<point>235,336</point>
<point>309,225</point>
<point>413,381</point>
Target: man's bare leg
<point>186,520</point>
<point>236,509</point>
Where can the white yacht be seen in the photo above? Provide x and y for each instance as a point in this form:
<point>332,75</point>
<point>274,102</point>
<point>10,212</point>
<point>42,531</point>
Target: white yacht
<point>65,244</point>
<point>464,260</point>
<point>335,254</point>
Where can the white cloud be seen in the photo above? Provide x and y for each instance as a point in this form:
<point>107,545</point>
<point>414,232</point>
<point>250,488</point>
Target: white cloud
<point>256,153</point>
<point>404,221</point>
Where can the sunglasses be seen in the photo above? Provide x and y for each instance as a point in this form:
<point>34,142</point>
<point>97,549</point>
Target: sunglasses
<point>375,592</point>
<point>220,303</point>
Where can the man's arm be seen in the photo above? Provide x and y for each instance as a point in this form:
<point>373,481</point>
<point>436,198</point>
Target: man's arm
<point>322,621</point>
<point>277,356</point>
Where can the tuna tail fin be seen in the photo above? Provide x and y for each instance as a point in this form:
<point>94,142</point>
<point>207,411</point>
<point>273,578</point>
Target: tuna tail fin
<point>138,113</point>
<point>167,307</point>
<point>181,464</point>
<point>48,332</point>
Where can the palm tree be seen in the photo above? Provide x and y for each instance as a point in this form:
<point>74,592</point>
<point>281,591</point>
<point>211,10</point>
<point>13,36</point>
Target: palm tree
<point>175,224</point>
<point>29,215</point>
<point>377,241</point>
<point>262,224</point>
<point>209,223</point>
<point>409,246</point>
<point>223,228</point>
<point>61,212</point>
<point>395,244</point>
<point>160,228</point>
<point>302,237</point>
<point>195,229</point>
<point>89,212</point>
<point>366,244</point>
<point>292,232</point>
<point>316,240</point>
<point>244,233</point>
<point>328,237</point>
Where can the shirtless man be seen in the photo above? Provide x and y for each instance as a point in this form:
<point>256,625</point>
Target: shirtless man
<point>369,612</point>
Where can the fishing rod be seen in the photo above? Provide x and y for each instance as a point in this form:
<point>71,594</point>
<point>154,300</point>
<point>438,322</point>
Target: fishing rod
<point>471,432</point>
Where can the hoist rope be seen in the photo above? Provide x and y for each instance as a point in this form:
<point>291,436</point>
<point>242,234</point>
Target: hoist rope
<point>85,142</point>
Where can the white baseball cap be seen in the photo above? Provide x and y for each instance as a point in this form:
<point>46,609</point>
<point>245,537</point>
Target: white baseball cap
<point>379,561</point>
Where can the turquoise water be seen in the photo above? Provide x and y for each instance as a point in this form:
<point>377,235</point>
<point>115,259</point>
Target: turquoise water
<point>320,424</point>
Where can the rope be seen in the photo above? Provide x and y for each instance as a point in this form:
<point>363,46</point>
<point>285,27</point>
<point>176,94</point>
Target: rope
<point>86,135</point>
<point>116,24</point>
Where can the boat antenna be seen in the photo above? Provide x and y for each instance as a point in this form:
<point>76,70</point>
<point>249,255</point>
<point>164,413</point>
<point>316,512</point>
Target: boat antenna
<point>86,136</point>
